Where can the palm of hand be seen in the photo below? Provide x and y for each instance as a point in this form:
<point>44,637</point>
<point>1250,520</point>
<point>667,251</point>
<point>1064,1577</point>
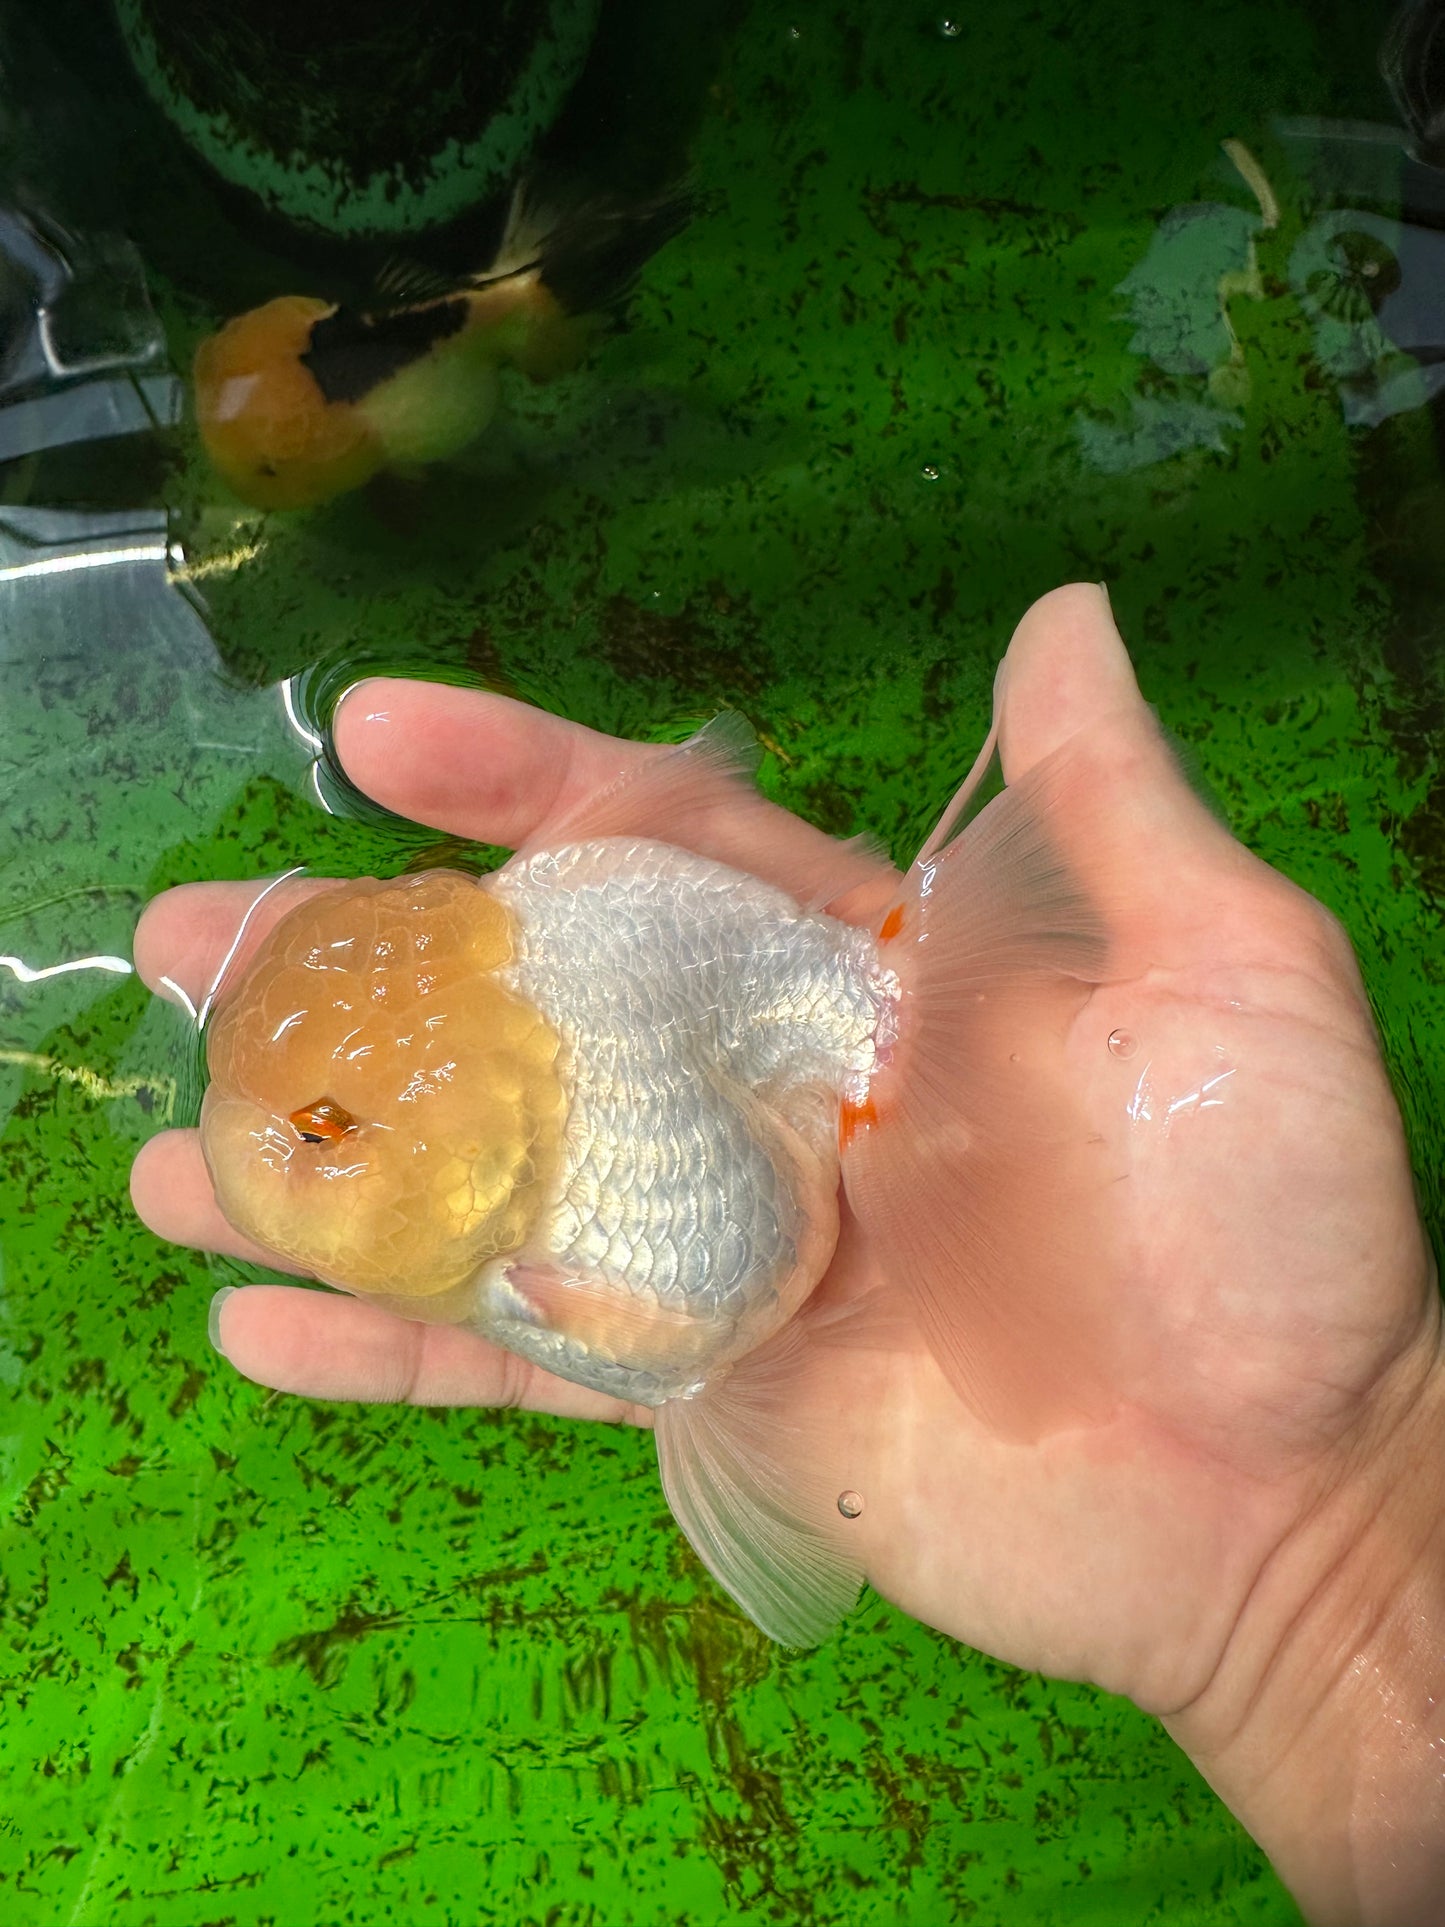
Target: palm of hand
<point>1253,1299</point>
<point>1256,1275</point>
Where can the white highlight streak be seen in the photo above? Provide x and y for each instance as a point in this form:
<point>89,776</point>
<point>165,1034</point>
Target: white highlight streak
<point>120,966</point>
<point>89,559</point>
<point>308,736</point>
<point>184,997</point>
<point>210,997</point>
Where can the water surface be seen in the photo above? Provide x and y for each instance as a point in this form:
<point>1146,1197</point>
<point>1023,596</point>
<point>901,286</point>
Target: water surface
<point>964,313</point>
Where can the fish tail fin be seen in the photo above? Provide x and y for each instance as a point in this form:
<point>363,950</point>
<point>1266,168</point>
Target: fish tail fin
<point>969,1167</point>
<point>589,248</point>
<point>748,1478</point>
<point>586,249</point>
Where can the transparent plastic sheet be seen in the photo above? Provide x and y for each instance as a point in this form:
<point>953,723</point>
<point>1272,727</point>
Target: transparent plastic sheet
<point>122,736</point>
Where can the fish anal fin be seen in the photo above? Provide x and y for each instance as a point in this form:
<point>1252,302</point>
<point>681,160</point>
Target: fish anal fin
<point>745,1472</point>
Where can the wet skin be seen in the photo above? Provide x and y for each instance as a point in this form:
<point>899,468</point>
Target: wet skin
<point>1260,1340</point>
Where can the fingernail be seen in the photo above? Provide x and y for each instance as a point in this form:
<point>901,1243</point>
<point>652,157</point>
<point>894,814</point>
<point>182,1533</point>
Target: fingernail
<point>213,1318</point>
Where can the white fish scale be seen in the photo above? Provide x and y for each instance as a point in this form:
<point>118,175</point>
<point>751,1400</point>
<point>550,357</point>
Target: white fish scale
<point>680,990</point>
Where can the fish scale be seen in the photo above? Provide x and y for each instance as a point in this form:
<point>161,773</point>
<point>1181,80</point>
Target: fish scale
<point>690,1001</point>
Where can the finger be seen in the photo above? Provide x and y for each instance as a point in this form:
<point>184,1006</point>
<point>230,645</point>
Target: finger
<point>1170,881</point>
<point>486,767</point>
<point>1066,670</point>
<point>322,1345</point>
<point>191,939</point>
<point>474,764</point>
<point>1066,682</point>
<point>171,1190</point>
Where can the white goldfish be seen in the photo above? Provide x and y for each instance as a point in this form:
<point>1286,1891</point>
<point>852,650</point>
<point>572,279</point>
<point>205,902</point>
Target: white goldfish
<point>595,1107</point>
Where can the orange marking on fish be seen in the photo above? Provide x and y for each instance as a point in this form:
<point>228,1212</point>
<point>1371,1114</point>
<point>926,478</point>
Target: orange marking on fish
<point>853,1118</point>
<point>892,924</point>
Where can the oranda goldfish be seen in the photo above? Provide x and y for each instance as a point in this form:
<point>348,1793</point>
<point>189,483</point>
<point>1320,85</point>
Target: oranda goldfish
<point>302,399</point>
<point>595,1105</point>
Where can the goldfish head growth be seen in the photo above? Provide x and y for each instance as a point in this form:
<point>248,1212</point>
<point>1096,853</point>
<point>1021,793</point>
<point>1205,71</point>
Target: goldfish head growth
<point>270,430</point>
<point>382,1111</point>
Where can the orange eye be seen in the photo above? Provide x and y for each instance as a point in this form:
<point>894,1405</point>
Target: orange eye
<point>322,1122</point>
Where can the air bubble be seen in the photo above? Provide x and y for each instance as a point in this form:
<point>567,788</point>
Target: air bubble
<point>1123,1043</point>
<point>850,1504</point>
<point>950,29</point>
<point>931,472</point>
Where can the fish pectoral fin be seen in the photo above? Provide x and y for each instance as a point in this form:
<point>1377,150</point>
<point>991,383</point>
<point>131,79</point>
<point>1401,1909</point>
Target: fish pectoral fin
<point>748,1482</point>
<point>403,282</point>
<point>618,1323</point>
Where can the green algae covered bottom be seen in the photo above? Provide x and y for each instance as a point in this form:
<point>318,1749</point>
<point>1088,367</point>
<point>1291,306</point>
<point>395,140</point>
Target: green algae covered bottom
<point>965,312</point>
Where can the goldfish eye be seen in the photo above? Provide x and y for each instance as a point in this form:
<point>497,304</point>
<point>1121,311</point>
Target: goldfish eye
<point>322,1122</point>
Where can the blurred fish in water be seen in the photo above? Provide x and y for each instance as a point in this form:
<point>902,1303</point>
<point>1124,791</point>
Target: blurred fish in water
<point>595,1107</point>
<point>302,399</point>
<point>1412,61</point>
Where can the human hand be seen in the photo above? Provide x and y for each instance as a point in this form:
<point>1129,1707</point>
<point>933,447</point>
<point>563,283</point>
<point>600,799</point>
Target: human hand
<point>1255,1339</point>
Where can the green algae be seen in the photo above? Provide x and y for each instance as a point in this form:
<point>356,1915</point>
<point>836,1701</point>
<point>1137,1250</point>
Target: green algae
<point>267,1661</point>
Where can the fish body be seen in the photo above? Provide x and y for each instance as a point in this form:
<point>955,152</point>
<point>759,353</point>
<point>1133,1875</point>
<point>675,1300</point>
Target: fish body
<point>709,1030</point>
<point>596,1106</point>
<point>666,1043</point>
<point>300,400</point>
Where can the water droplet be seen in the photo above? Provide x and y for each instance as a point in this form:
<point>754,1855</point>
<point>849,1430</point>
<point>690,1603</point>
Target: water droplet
<point>950,29</point>
<point>1123,1043</point>
<point>931,472</point>
<point>850,1504</point>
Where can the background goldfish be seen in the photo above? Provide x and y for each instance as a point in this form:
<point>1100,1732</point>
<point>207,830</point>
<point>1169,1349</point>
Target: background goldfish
<point>302,399</point>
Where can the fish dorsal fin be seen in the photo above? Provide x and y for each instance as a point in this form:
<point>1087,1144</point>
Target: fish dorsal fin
<point>747,1474</point>
<point>701,796</point>
<point>532,217</point>
<point>404,283</point>
<point>668,793</point>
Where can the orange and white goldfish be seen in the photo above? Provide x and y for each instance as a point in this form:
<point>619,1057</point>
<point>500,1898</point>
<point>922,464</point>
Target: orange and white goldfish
<point>302,399</point>
<point>595,1107</point>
